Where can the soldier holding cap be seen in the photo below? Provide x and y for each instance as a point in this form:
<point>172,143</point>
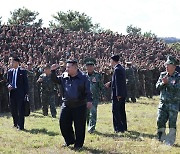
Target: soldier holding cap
<point>169,86</point>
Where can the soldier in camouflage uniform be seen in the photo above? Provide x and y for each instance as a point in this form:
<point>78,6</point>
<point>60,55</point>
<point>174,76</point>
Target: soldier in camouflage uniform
<point>47,92</point>
<point>169,86</point>
<point>31,80</point>
<point>137,84</point>
<point>37,98</point>
<point>148,82</point>
<point>130,82</point>
<point>97,87</point>
<point>4,105</point>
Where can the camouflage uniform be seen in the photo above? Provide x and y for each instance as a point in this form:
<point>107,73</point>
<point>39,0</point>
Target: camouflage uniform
<point>168,106</point>
<point>142,83</point>
<point>137,85</point>
<point>97,87</point>
<point>31,80</point>
<point>48,95</point>
<point>3,94</point>
<point>130,84</point>
<point>148,78</point>
<point>37,99</point>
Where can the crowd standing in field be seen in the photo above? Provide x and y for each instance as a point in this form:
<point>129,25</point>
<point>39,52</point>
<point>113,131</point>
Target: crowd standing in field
<point>142,57</point>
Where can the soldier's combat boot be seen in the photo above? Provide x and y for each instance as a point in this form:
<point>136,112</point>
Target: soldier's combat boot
<point>161,134</point>
<point>171,137</point>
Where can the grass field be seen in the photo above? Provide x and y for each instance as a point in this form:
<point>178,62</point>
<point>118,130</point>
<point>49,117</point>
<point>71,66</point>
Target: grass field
<point>42,135</point>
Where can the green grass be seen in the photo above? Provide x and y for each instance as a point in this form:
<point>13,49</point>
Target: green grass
<point>42,135</point>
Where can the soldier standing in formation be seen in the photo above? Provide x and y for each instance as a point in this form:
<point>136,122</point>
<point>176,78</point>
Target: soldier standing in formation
<point>47,92</point>
<point>97,88</point>
<point>130,82</point>
<point>3,92</point>
<point>169,86</point>
<point>31,80</point>
<point>148,82</point>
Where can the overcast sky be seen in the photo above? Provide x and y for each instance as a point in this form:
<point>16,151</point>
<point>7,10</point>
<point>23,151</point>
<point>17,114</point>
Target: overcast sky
<point>162,17</point>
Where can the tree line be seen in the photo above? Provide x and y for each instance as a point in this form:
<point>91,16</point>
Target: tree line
<point>71,20</point>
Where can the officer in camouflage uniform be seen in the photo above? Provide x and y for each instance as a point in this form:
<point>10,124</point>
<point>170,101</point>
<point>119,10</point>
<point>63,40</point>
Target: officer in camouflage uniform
<point>130,82</point>
<point>31,82</point>
<point>169,86</point>
<point>47,92</point>
<point>97,88</point>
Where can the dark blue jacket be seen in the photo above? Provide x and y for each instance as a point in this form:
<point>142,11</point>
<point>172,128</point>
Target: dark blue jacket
<point>75,90</point>
<point>21,83</point>
<point>118,83</point>
<point>178,69</point>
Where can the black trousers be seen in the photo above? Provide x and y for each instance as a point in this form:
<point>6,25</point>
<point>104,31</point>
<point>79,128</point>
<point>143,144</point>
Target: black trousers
<point>67,117</point>
<point>17,109</point>
<point>119,115</point>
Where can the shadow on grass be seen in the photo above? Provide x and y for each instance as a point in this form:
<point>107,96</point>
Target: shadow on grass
<point>37,114</point>
<point>41,131</point>
<point>134,135</point>
<point>90,150</point>
<point>176,145</point>
<point>6,114</point>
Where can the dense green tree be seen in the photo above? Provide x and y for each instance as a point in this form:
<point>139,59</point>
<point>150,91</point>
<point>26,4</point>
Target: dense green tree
<point>72,20</point>
<point>149,34</point>
<point>25,17</point>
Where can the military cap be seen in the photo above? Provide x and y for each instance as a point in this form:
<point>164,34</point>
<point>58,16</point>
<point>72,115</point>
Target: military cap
<point>90,61</point>
<point>172,60</point>
<point>128,62</point>
<point>73,61</point>
<point>115,57</point>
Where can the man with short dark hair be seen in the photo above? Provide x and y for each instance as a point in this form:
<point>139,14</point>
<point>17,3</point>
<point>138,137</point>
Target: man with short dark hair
<point>118,95</point>
<point>76,97</point>
<point>18,88</point>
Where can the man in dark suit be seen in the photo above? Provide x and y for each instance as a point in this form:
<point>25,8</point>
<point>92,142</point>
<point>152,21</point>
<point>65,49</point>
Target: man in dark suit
<point>118,95</point>
<point>18,88</point>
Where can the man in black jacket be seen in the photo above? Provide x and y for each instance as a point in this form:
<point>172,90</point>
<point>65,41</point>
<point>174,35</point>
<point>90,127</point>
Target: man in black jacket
<point>118,95</point>
<point>76,97</point>
<point>18,87</point>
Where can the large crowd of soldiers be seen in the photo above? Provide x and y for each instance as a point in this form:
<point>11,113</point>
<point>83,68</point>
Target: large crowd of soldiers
<point>140,82</point>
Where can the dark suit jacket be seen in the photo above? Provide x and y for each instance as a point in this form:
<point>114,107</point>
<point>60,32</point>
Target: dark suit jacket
<point>178,69</point>
<point>21,83</point>
<point>118,83</point>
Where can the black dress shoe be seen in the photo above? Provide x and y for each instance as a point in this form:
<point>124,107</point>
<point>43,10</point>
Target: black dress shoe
<point>20,128</point>
<point>15,126</point>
